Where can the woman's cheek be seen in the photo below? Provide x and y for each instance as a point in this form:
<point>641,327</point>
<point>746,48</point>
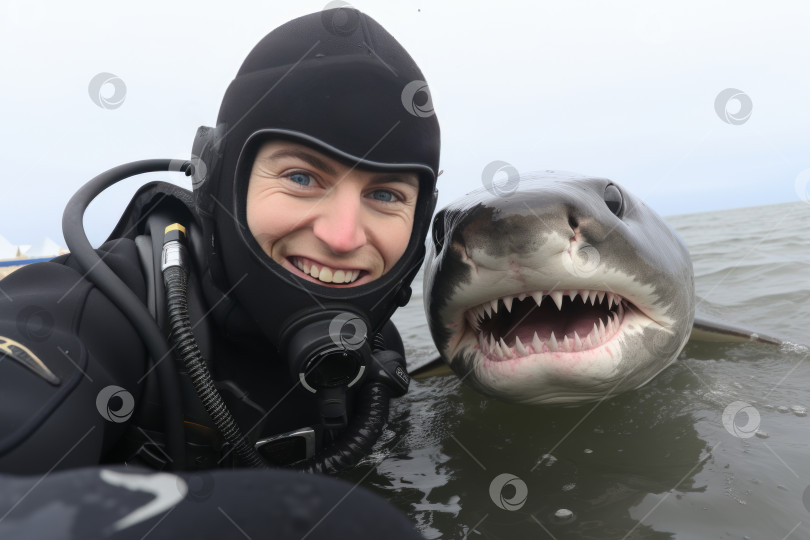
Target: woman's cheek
<point>260,219</point>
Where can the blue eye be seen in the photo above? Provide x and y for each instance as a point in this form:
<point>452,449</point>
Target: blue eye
<point>300,178</point>
<point>383,196</point>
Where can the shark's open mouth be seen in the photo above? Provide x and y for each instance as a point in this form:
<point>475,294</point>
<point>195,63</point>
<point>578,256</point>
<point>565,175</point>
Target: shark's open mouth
<point>546,322</point>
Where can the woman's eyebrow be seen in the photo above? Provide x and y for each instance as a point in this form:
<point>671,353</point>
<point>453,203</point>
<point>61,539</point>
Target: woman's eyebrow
<point>394,177</point>
<point>312,159</point>
<point>319,163</point>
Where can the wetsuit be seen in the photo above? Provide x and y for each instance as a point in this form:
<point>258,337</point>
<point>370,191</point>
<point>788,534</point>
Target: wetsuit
<point>77,390</point>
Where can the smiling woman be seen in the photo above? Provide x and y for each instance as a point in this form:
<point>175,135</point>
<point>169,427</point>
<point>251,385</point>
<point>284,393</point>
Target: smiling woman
<point>325,220</point>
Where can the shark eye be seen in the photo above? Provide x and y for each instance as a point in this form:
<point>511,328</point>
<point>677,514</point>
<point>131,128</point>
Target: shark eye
<point>614,200</point>
<point>438,231</point>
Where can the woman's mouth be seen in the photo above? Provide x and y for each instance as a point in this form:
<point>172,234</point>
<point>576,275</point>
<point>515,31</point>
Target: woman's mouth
<point>325,274</point>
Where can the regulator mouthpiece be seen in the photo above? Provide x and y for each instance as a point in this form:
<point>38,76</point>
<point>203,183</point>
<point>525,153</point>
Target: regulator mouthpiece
<point>328,353</point>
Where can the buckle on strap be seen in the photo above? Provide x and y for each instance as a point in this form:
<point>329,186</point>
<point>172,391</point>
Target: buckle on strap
<point>288,448</point>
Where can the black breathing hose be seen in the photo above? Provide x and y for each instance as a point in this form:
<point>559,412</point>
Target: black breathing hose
<point>361,434</point>
<point>183,337</point>
<point>133,308</point>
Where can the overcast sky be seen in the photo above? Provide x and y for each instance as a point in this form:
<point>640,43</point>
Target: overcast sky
<point>624,90</point>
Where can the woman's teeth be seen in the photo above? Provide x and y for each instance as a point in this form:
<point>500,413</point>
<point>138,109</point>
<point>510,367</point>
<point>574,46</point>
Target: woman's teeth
<point>324,273</point>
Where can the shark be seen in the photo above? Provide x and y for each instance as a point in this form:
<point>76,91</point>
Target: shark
<point>566,289</point>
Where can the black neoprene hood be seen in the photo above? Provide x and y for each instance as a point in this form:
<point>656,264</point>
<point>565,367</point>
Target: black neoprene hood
<point>338,82</point>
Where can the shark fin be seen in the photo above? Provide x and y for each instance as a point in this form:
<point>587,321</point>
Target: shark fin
<point>708,330</point>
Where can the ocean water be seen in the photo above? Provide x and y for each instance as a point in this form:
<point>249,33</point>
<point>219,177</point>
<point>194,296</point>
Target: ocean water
<point>655,463</point>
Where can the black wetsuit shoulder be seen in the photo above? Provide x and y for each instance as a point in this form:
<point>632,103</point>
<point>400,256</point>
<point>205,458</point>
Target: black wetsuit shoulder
<point>63,343</point>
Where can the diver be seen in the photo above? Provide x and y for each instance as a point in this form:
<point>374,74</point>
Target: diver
<point>243,324</point>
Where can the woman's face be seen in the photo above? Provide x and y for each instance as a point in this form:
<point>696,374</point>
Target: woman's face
<point>326,221</point>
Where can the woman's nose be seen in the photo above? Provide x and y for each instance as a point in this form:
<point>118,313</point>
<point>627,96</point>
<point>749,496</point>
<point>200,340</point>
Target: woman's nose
<point>339,224</point>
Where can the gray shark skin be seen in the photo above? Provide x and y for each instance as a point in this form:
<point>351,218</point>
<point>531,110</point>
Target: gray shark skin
<point>568,290</point>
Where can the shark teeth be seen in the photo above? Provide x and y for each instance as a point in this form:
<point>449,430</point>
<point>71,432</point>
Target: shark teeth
<point>499,350</point>
<point>490,308</point>
<point>507,302</point>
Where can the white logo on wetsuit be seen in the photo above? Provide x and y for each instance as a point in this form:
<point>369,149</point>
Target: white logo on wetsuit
<point>168,490</point>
